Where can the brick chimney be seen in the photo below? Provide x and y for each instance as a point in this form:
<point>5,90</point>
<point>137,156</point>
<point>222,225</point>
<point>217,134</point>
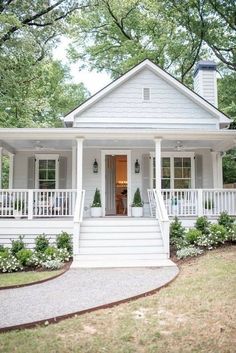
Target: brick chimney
<point>205,81</point>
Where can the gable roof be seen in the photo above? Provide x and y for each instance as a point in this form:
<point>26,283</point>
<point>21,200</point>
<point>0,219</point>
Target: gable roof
<point>223,119</point>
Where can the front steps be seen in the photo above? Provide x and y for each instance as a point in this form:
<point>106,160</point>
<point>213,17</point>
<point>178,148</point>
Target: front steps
<point>120,242</point>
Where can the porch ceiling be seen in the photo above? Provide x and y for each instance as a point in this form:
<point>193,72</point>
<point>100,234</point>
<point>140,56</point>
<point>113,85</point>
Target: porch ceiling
<point>64,138</point>
<point>165,145</point>
<point>41,146</point>
<point>38,145</point>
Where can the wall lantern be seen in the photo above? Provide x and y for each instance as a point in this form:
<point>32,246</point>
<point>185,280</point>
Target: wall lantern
<point>137,167</point>
<point>95,166</point>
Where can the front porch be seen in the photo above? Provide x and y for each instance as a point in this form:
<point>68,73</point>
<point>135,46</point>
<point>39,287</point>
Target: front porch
<point>53,177</point>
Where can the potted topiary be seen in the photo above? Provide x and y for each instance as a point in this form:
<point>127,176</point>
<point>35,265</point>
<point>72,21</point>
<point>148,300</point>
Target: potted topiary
<point>96,207</point>
<point>137,205</point>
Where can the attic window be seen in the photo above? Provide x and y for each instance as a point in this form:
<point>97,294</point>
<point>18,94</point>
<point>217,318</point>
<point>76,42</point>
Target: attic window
<point>146,94</point>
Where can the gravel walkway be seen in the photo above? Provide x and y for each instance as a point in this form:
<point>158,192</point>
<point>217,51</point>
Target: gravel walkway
<point>77,290</point>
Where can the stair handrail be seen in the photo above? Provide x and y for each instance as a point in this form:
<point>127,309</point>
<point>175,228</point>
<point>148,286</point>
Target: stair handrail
<point>78,218</point>
<point>79,207</point>
<point>156,198</point>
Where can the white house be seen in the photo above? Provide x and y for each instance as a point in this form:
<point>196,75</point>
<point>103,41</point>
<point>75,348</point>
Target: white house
<point>145,130</point>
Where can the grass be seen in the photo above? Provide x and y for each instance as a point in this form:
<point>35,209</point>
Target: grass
<point>12,279</point>
<point>196,313</point>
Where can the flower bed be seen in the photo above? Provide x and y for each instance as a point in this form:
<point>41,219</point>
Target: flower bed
<point>204,236</point>
<point>44,256</point>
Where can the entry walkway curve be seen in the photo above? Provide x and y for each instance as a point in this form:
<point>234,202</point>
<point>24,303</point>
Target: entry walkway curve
<point>78,290</point>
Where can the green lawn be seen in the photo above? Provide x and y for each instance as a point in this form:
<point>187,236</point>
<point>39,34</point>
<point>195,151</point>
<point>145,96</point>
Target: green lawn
<point>196,313</point>
<point>12,279</point>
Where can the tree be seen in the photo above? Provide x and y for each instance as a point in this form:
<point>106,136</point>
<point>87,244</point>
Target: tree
<point>114,36</point>
<point>227,95</point>
<point>32,84</point>
<point>40,98</point>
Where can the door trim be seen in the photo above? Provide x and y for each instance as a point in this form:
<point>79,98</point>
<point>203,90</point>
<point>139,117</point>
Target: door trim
<point>104,153</point>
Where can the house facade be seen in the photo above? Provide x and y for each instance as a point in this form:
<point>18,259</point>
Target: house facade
<point>145,130</point>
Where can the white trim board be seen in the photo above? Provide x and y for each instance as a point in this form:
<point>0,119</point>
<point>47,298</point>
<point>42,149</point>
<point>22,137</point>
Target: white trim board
<point>104,153</point>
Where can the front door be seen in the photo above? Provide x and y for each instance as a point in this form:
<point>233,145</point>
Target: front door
<point>116,183</point>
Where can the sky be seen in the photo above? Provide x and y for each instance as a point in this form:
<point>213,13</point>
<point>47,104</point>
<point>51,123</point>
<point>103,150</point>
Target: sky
<point>94,81</point>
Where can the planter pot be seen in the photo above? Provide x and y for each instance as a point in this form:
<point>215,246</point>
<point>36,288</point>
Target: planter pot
<point>17,214</point>
<point>96,211</point>
<point>137,211</point>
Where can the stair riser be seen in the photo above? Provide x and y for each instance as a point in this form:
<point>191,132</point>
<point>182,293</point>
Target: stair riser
<point>119,236</point>
<point>119,257</point>
<point>120,242</point>
<point>123,263</point>
<point>126,229</point>
<point>119,222</point>
<point>122,250</point>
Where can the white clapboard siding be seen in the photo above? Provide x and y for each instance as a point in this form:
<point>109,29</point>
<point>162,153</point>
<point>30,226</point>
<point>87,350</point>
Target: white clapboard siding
<point>205,85</point>
<point>125,106</point>
<point>119,242</point>
<point>12,229</point>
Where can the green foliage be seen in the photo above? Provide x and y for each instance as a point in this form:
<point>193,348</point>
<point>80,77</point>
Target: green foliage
<point>9,263</point>
<point>97,199</point>
<point>41,243</point>
<point>2,249</point>
<point>52,264</point>
<point>192,235</point>
<point>225,220</point>
<point>64,241</point>
<point>227,103</point>
<point>229,167</point>
<point>202,224</point>
<point>115,36</point>
<point>217,236</point>
<point>137,200</point>
<point>24,256</point>
<point>176,229</point>
<point>189,251</point>
<point>17,245</point>
<point>35,90</point>
<point>231,233</point>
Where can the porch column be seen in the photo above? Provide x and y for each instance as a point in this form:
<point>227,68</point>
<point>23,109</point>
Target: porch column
<point>158,162</point>
<point>214,169</point>
<point>1,167</point>
<point>11,170</point>
<point>79,167</point>
<point>217,172</point>
<point>220,170</point>
<point>73,181</point>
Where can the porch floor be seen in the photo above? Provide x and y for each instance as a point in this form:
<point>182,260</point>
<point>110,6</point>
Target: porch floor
<point>78,290</point>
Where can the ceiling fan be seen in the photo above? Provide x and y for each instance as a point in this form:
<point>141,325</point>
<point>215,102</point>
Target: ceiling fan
<point>179,146</point>
<point>40,147</point>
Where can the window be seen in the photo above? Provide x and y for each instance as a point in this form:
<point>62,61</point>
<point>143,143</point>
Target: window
<point>182,172</point>
<point>165,173</point>
<point>46,172</point>
<point>176,171</point>
<point>146,94</point>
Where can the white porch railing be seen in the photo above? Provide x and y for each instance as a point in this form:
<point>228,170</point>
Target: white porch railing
<point>158,210</point>
<point>198,202</point>
<point>37,203</point>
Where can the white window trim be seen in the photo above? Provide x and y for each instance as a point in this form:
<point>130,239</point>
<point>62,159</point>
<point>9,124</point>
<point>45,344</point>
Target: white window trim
<point>150,96</point>
<point>47,157</point>
<point>173,155</point>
